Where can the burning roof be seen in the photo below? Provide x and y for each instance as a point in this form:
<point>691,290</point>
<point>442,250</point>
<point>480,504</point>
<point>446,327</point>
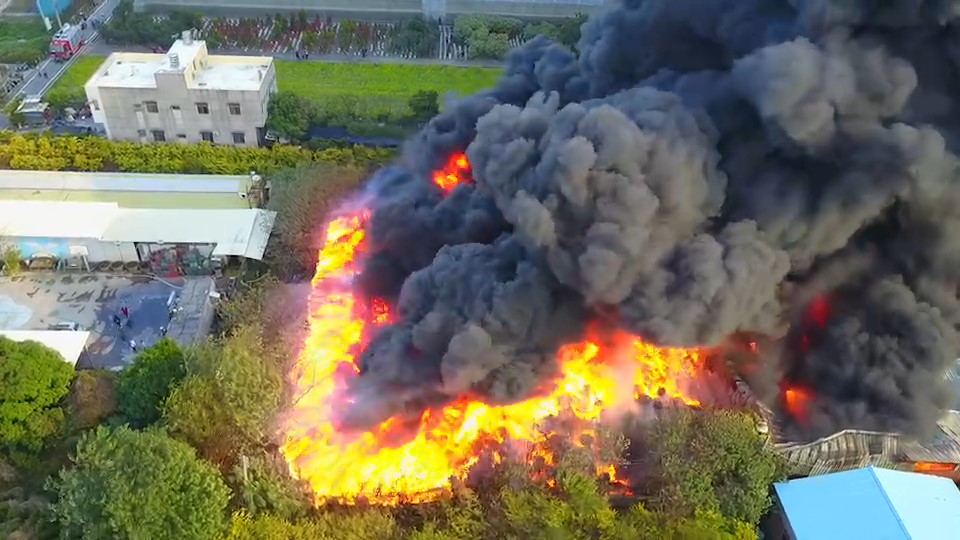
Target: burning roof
<point>770,182</point>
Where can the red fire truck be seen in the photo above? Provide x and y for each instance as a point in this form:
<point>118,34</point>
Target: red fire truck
<point>66,42</point>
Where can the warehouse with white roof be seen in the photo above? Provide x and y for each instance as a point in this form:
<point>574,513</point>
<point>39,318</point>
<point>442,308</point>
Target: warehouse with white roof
<point>165,224</point>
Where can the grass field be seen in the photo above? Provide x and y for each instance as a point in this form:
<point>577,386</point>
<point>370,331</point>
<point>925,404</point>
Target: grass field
<point>376,87</point>
<point>77,74</point>
<point>320,80</point>
<point>23,40</point>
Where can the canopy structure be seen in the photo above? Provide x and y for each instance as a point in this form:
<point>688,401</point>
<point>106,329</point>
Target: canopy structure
<point>242,233</point>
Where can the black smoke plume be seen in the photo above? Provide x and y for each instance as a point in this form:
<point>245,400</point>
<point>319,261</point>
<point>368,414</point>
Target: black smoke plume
<point>695,170</point>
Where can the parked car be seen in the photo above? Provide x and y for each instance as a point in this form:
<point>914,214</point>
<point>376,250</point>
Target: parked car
<point>66,326</point>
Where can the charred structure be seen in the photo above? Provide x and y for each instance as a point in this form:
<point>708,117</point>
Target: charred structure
<point>695,173</point>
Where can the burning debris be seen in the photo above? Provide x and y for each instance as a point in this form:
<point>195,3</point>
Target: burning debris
<point>775,174</point>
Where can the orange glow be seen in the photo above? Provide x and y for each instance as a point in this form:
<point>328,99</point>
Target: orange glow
<point>454,172</point>
<point>797,401</point>
<point>931,467</point>
<point>392,463</point>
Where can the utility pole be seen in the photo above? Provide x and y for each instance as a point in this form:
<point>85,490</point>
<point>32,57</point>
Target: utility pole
<point>56,11</point>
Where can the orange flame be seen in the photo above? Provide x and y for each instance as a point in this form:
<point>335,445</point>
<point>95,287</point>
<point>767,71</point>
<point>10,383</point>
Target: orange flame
<point>445,444</point>
<point>454,172</point>
<point>797,401</point>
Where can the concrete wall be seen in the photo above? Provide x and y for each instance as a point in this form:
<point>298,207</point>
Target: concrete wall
<point>126,118</point>
<point>381,10</point>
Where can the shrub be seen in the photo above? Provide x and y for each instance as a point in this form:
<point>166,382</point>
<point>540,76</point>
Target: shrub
<point>93,154</point>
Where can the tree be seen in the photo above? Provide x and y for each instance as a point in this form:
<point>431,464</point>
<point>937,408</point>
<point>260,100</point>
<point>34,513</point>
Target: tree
<point>263,487</point>
<point>424,105</point>
<point>128,484</point>
<point>92,399</point>
<point>710,461</point>
<point>300,197</point>
<point>228,397</point>
<point>290,115</point>
<point>145,384</point>
<point>417,36</point>
<point>34,379</point>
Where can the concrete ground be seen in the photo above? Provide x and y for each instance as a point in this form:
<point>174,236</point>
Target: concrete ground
<point>35,301</point>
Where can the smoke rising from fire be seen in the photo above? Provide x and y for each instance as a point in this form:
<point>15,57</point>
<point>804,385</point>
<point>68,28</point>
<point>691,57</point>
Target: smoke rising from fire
<point>697,171</point>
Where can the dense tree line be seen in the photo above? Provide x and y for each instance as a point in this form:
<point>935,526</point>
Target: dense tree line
<point>95,154</point>
<point>128,27</point>
<point>293,117</point>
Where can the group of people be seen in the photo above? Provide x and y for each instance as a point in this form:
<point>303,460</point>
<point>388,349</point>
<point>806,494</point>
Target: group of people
<point>122,320</point>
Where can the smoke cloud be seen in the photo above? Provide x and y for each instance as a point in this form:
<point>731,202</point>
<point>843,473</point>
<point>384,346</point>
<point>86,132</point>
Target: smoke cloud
<point>695,170</point>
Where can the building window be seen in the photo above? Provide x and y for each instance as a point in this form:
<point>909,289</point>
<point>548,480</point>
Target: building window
<point>138,106</point>
<point>151,106</point>
<point>174,107</point>
<point>234,108</point>
<point>239,137</point>
<point>159,136</point>
<point>141,133</point>
<point>181,135</point>
<point>206,136</point>
<point>203,108</point>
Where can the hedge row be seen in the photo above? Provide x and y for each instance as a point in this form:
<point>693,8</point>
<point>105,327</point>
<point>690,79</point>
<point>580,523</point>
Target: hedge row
<point>93,154</point>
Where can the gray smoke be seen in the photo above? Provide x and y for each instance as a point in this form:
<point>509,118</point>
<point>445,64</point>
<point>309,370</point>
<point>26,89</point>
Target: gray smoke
<point>696,171</point>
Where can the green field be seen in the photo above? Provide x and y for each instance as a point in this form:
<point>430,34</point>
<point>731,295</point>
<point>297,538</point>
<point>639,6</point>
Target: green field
<point>77,74</point>
<point>23,40</point>
<point>377,88</point>
<point>321,80</point>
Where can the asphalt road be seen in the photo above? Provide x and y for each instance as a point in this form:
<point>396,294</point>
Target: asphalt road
<point>48,71</point>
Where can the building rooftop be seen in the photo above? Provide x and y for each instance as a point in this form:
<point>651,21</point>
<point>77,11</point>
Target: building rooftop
<point>214,72</point>
<point>238,232</point>
<point>128,190</point>
<point>871,503</point>
<point>70,345</point>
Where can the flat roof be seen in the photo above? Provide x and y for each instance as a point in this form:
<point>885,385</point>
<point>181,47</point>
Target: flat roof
<point>216,72</point>
<point>243,233</point>
<point>240,232</point>
<point>101,181</point>
<point>42,219</point>
<point>128,190</point>
<point>70,345</point>
<point>871,503</point>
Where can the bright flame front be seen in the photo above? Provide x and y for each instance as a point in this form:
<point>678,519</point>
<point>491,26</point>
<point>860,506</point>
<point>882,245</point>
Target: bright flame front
<point>447,442</point>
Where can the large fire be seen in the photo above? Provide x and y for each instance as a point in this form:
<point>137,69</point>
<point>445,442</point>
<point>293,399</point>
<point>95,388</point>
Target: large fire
<point>447,442</point>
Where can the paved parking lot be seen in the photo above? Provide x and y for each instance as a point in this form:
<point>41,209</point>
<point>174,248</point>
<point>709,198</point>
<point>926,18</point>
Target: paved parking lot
<point>36,301</point>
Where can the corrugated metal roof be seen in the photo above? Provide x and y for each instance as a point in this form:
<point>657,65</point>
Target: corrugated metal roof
<point>141,183</point>
<point>242,233</point>
<point>871,503</point>
<point>69,344</point>
<point>35,219</point>
<point>132,199</point>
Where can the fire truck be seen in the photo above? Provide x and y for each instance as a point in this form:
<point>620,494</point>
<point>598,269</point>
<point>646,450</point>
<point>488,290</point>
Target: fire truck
<point>66,42</point>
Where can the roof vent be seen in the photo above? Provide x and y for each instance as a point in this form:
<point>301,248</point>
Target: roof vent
<point>260,75</point>
<point>187,36</point>
<point>174,60</point>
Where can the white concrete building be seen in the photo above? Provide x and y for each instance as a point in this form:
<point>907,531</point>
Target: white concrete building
<point>185,95</point>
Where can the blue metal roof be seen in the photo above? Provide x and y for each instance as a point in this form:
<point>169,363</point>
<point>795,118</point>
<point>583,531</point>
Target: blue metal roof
<point>871,503</point>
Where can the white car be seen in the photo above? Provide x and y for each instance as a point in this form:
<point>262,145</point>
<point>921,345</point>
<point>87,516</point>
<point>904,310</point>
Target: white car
<point>66,326</point>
